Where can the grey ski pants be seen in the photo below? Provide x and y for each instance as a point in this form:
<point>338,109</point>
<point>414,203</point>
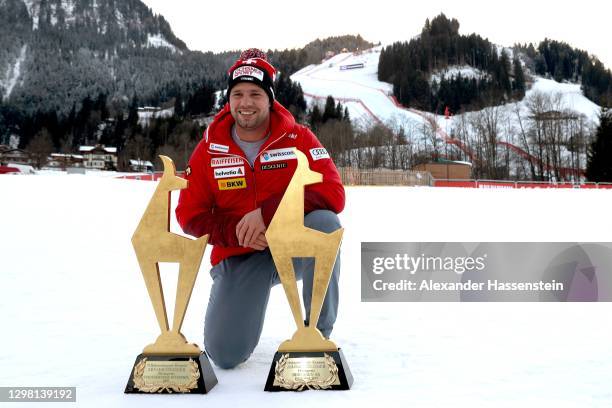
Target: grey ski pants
<point>240,292</point>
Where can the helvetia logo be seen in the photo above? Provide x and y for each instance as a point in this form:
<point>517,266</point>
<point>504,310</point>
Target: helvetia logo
<point>225,172</point>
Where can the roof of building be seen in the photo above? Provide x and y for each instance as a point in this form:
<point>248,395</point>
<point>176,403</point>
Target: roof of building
<point>90,148</point>
<point>134,162</point>
<point>74,156</point>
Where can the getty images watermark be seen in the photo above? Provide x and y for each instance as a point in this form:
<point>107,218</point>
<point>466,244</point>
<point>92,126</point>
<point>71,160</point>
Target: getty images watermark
<point>495,271</point>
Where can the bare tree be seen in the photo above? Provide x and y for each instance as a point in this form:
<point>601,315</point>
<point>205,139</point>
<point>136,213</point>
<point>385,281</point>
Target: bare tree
<point>536,105</point>
<point>40,147</point>
<point>524,139</point>
<point>430,133</point>
<point>486,126</point>
<point>338,138</point>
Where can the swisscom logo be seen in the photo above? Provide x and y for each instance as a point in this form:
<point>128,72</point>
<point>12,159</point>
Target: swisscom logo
<point>277,154</point>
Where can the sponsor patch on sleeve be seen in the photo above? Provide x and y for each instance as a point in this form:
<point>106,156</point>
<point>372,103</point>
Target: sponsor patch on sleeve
<point>227,172</point>
<point>232,184</point>
<point>319,153</point>
<point>188,171</point>
<point>219,147</point>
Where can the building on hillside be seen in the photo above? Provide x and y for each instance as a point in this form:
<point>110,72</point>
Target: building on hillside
<point>141,166</point>
<point>13,155</point>
<point>447,169</point>
<point>65,160</point>
<point>99,157</point>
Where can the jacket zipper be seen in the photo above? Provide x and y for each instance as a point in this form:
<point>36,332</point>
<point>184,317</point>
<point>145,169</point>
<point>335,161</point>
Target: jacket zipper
<point>249,164</point>
<point>268,146</point>
<point>257,157</point>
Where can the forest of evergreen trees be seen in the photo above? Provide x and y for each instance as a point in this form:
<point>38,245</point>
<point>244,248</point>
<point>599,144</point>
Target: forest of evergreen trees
<point>102,49</point>
<point>87,78</point>
<point>96,121</point>
<point>563,62</point>
<point>599,167</point>
<point>409,65</point>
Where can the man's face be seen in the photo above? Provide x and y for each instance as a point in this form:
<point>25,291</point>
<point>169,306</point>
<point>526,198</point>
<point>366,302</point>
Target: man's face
<point>249,105</point>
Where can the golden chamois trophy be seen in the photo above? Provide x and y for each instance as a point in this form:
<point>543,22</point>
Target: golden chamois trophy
<point>170,365</point>
<point>308,360</point>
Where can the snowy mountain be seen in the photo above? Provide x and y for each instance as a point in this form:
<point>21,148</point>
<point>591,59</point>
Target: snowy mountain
<point>54,53</point>
<point>106,16</point>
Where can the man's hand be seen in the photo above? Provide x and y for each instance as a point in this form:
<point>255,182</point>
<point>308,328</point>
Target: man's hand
<point>260,243</point>
<point>250,231</point>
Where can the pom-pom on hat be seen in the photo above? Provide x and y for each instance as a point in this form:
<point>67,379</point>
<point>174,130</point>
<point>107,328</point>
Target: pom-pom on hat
<point>253,66</point>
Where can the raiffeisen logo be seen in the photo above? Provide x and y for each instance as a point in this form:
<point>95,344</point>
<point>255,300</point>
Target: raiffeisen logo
<point>225,161</point>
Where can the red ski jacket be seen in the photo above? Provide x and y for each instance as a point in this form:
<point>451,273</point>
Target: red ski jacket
<point>223,186</point>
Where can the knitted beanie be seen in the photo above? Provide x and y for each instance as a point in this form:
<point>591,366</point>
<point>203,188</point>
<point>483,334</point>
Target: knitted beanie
<point>253,67</point>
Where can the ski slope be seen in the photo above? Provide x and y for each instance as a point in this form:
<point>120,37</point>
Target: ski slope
<point>75,310</point>
<point>369,99</point>
<point>366,98</point>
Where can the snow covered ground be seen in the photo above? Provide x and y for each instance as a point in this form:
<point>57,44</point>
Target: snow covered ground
<point>465,70</point>
<point>75,311</point>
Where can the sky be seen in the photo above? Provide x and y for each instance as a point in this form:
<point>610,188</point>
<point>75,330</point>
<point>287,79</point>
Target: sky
<point>274,24</point>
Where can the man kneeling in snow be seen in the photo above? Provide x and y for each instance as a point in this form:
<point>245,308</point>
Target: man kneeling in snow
<point>237,176</point>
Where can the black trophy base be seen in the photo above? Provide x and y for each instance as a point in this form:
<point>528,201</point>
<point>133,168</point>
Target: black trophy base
<point>309,370</point>
<point>165,374</point>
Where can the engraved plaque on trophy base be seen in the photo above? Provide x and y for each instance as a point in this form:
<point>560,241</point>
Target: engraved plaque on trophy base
<point>159,374</point>
<point>309,370</point>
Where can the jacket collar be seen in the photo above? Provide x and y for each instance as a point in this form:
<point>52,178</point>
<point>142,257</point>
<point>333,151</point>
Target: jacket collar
<point>218,133</point>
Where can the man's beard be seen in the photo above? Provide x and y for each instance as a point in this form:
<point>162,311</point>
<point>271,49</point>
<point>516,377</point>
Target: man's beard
<point>251,123</point>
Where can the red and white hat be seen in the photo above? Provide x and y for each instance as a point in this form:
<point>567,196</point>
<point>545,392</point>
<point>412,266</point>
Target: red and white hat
<point>253,67</point>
